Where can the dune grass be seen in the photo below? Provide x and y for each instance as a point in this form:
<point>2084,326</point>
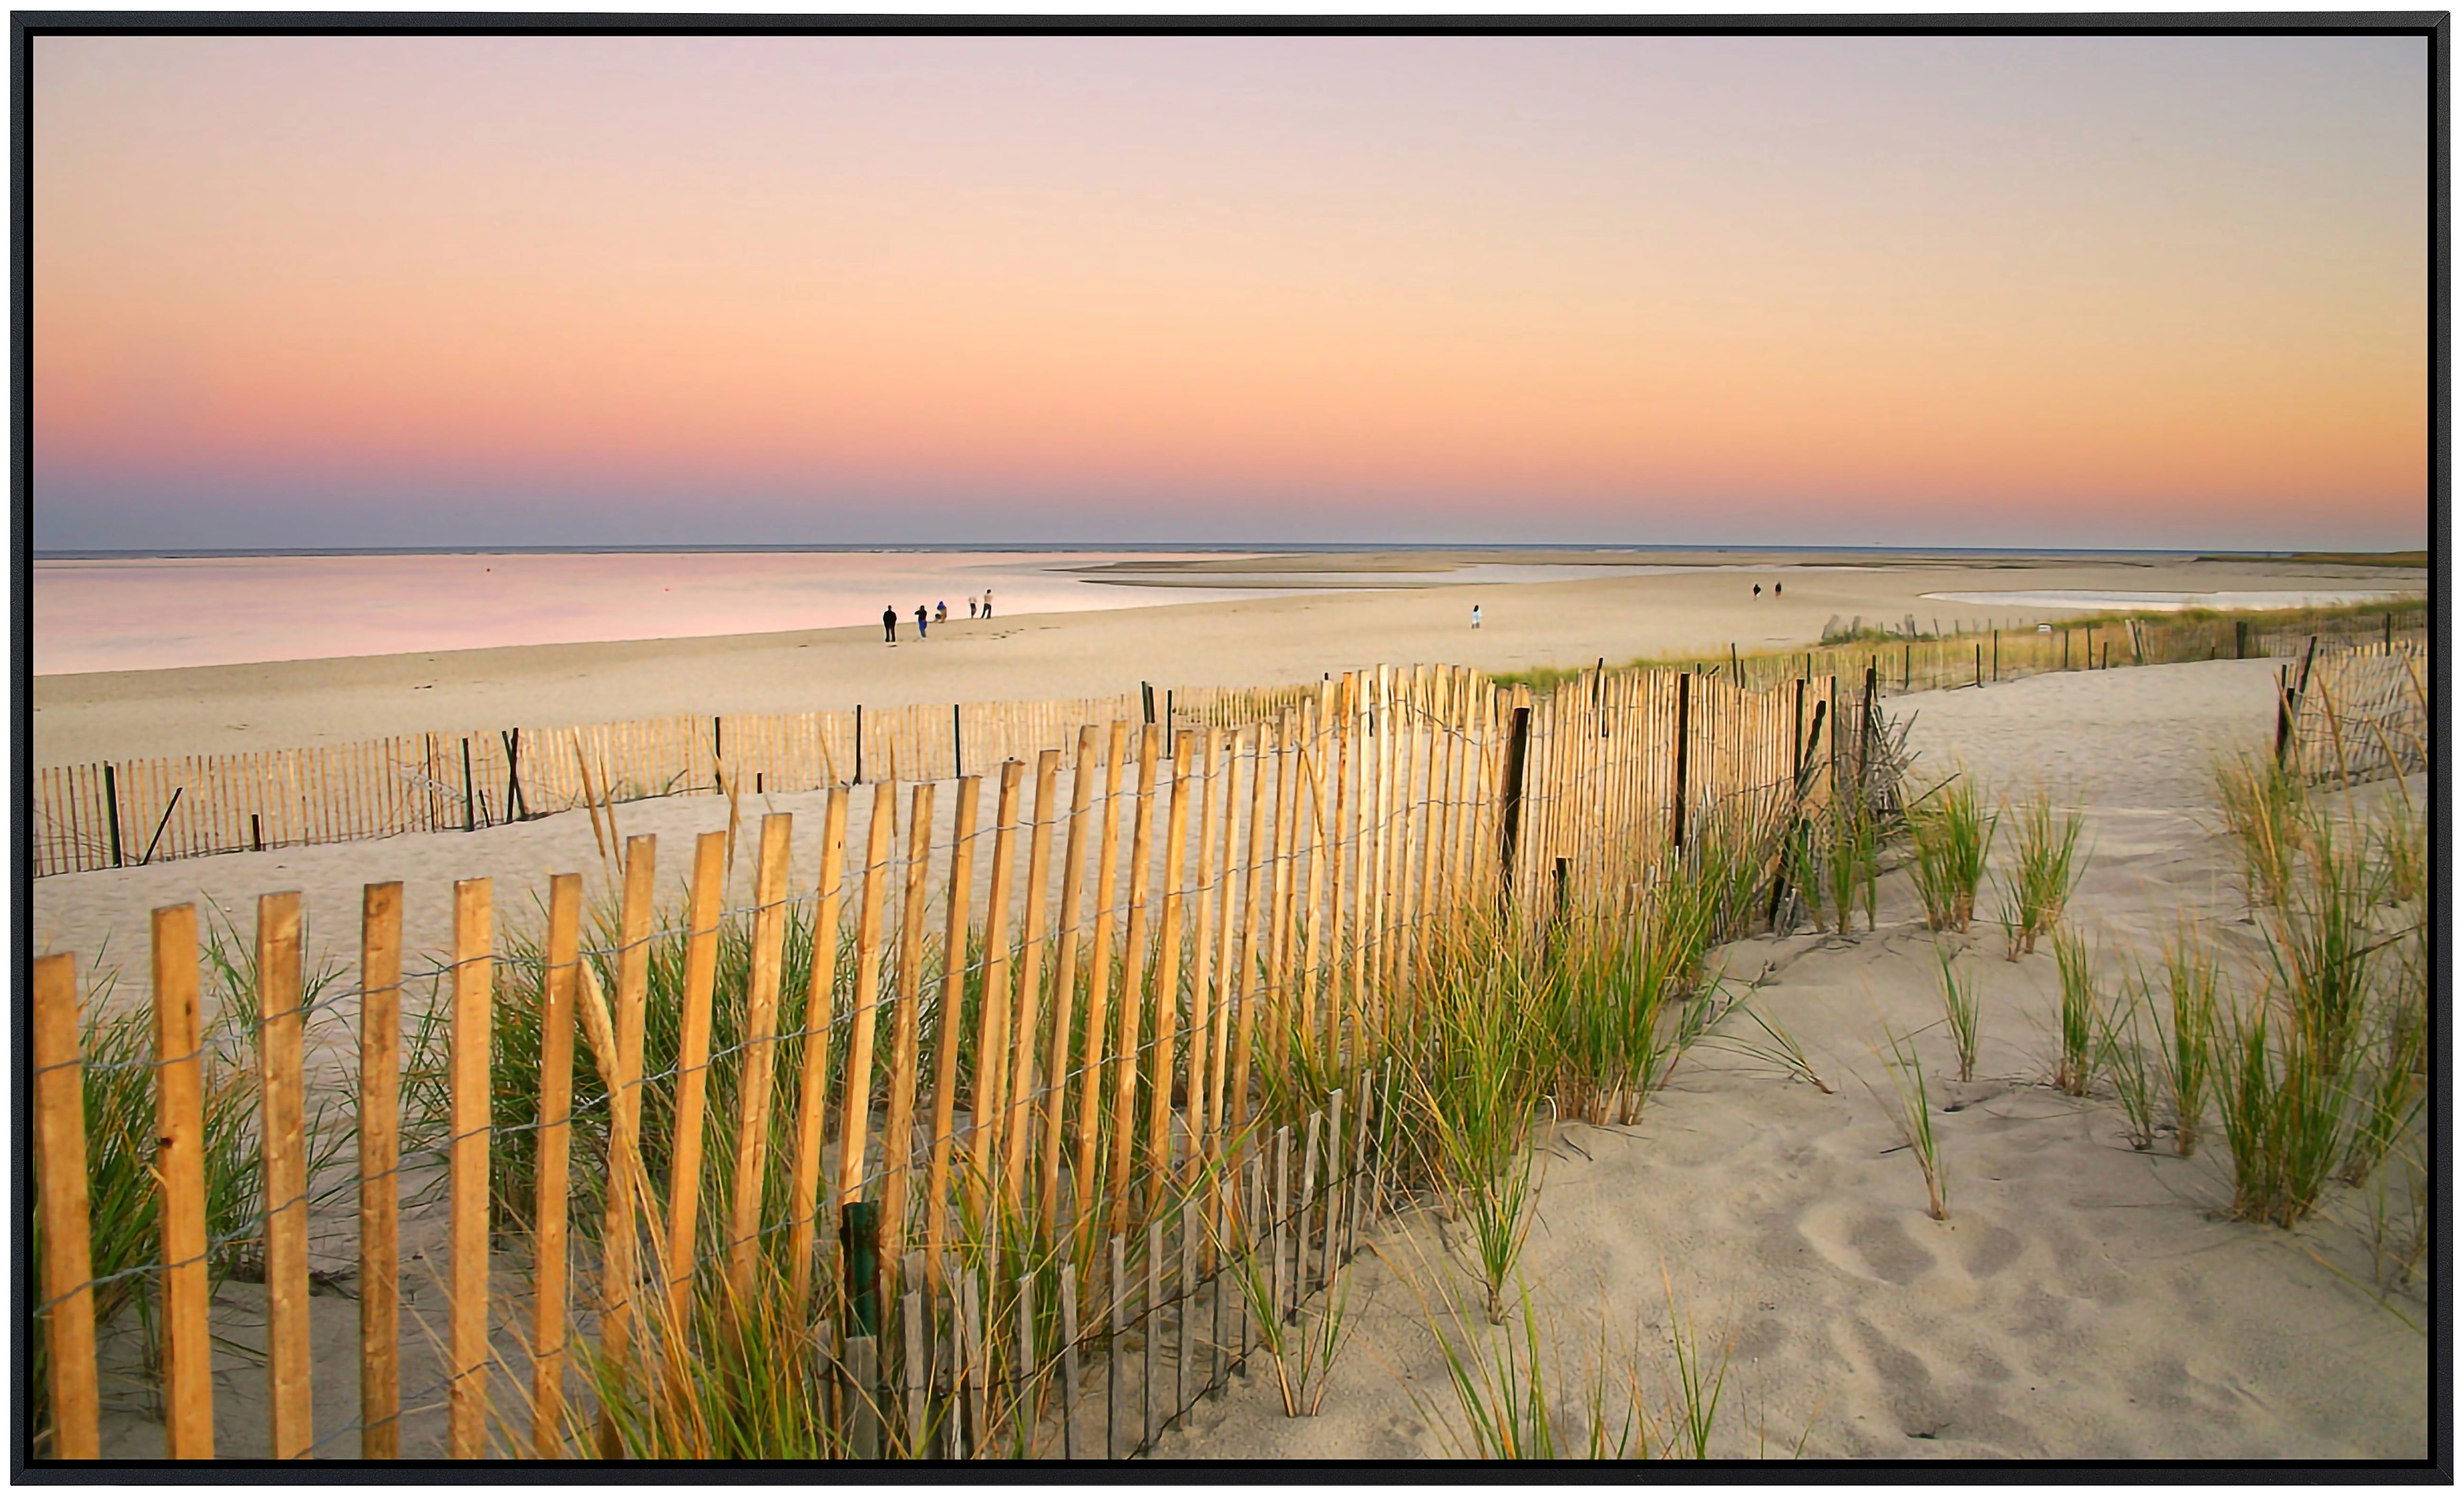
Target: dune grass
<point>2188,1052</point>
<point>2038,886</point>
<point>2265,809</point>
<point>1912,1112</point>
<point>1950,836</point>
<point>2318,1071</point>
<point>2122,1054</point>
<point>2075,1062</point>
<point>1959,1011</point>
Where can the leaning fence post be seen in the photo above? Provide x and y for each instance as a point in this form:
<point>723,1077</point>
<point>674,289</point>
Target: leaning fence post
<point>111,808</point>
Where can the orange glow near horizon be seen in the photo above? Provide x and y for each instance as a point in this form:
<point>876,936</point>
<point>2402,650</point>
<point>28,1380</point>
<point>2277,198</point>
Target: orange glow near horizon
<point>661,269</point>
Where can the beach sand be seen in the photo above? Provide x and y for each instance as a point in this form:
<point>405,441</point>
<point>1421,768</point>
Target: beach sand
<point>83,719</point>
<point>2082,1301</point>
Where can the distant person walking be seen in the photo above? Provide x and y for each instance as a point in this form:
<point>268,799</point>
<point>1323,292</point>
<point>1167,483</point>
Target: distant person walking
<point>1774,590</point>
<point>971,604</point>
<point>922,617</point>
<point>1758,588</point>
<point>988,602</point>
<point>890,626</point>
<point>1475,615</point>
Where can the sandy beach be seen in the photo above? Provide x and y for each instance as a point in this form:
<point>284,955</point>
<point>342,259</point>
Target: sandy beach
<point>2082,1301</point>
<point>81,718</point>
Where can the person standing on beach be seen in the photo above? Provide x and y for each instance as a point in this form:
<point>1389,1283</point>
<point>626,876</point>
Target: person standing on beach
<point>988,602</point>
<point>1475,615</point>
<point>941,612</point>
<point>888,625</point>
<point>1758,589</point>
<point>1774,590</point>
<point>922,617</point>
<point>971,604</point>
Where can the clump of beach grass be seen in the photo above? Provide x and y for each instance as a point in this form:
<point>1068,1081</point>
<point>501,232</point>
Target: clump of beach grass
<point>2039,883</point>
<point>2265,809</point>
<point>1959,1009</point>
<point>2189,1055</point>
<point>1912,1112</point>
<point>1950,836</point>
<point>1473,1098</point>
<point>1302,1349</point>
<point>2082,1011</point>
<point>2122,1053</point>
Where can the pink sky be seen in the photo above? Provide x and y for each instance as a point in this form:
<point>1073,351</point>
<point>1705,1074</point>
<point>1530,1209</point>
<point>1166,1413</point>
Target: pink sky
<point>2162,291</point>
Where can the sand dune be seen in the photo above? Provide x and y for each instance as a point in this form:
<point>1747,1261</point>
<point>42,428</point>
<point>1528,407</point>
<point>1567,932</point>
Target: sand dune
<point>2081,1301</point>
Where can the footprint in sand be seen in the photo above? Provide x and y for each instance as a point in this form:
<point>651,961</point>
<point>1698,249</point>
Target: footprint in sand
<point>1865,1243</point>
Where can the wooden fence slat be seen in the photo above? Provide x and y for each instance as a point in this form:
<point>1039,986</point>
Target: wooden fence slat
<point>1124,1050</point>
<point>1165,986</point>
<point>550,1266</point>
<point>618,1239</point>
<point>380,1140</point>
<point>1203,941</point>
<point>753,1143</point>
<point>1064,981</point>
<point>467,1363</point>
<point>858,1084</point>
<point>59,1155</point>
<point>283,1121</point>
<point>898,1112</point>
<point>1017,1090</point>
<point>179,1173</point>
<point>812,1088</point>
<point>993,1004</point>
<point>1099,983</point>
<point>693,1071</point>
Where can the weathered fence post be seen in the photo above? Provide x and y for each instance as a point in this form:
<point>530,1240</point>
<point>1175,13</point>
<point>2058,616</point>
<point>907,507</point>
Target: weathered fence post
<point>1684,711</point>
<point>860,1256</point>
<point>1518,742</point>
<point>859,744</point>
<point>111,809</point>
<point>469,800</point>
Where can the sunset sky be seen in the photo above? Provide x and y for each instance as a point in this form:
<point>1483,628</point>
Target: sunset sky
<point>2034,291</point>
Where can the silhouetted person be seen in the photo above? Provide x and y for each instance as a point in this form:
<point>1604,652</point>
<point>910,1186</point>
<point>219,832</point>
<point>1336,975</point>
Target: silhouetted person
<point>890,626</point>
<point>1758,589</point>
<point>971,604</point>
<point>1774,590</point>
<point>921,619</point>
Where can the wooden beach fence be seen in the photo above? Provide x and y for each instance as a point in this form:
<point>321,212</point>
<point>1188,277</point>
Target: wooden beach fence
<point>89,817</point>
<point>1080,1060</point>
<point>2359,712</point>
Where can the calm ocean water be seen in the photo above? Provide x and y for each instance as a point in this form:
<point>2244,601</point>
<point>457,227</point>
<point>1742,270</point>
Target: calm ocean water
<point>153,613</point>
<point>120,613</point>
